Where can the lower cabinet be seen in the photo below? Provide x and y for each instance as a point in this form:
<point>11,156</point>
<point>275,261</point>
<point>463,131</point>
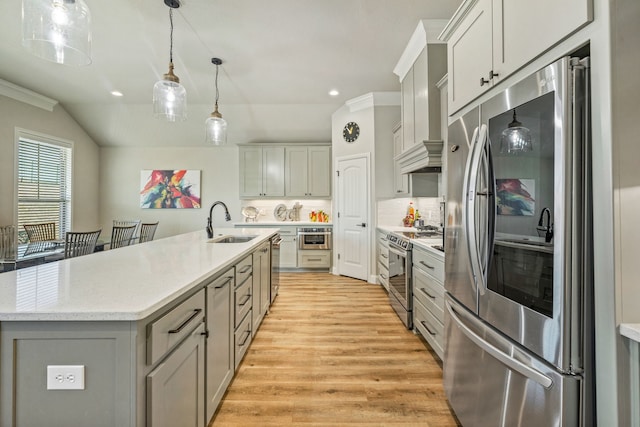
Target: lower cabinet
<point>428,298</point>
<point>243,302</point>
<point>220,339</point>
<point>314,258</point>
<point>261,284</point>
<point>383,259</point>
<point>289,247</point>
<point>175,389</point>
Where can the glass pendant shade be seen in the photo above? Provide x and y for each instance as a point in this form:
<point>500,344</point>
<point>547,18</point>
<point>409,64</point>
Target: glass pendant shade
<point>170,98</point>
<point>57,30</point>
<point>516,138</point>
<point>216,128</point>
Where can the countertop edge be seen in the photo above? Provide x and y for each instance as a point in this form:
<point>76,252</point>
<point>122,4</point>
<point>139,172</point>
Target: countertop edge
<point>631,331</point>
<point>148,310</point>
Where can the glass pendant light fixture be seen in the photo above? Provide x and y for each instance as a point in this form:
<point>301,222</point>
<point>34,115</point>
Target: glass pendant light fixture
<point>216,126</point>
<point>516,138</point>
<point>169,96</point>
<point>57,30</point>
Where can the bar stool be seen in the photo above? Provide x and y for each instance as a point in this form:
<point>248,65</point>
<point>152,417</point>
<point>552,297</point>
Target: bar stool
<point>147,231</point>
<point>122,236</point>
<point>78,243</point>
<point>41,232</point>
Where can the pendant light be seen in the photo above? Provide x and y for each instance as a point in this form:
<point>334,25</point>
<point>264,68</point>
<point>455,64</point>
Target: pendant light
<point>216,126</point>
<point>516,138</point>
<point>57,30</point>
<point>169,96</point>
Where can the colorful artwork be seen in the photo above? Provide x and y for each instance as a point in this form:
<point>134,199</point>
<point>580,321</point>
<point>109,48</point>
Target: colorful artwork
<point>170,189</point>
<point>515,196</point>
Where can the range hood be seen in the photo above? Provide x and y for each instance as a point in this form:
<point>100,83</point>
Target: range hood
<point>424,157</point>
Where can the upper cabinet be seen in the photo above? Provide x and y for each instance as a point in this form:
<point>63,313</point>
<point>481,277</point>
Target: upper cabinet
<point>488,40</point>
<point>285,171</point>
<point>261,171</point>
<point>421,66</point>
<point>308,171</point>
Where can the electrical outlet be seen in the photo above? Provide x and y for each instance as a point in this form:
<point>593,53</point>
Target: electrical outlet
<point>65,377</point>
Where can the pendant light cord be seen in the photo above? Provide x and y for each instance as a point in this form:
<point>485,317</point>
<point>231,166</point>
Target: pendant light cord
<point>217,93</point>
<point>171,36</point>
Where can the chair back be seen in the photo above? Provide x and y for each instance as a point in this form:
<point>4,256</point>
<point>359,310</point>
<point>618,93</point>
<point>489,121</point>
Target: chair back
<point>128,223</point>
<point>8,245</point>
<point>122,236</point>
<point>41,232</point>
<point>147,231</point>
<point>78,243</point>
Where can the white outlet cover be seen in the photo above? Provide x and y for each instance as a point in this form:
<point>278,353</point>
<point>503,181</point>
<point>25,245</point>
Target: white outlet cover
<point>65,377</point>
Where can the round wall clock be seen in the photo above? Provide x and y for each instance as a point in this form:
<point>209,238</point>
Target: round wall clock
<point>351,132</point>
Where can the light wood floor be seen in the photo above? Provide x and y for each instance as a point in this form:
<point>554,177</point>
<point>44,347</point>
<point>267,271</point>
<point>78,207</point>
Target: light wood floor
<point>332,352</point>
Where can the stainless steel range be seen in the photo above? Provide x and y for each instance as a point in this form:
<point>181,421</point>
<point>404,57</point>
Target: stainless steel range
<point>400,290</point>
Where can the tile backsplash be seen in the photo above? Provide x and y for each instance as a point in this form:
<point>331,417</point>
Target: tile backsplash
<point>392,211</point>
<point>266,208</point>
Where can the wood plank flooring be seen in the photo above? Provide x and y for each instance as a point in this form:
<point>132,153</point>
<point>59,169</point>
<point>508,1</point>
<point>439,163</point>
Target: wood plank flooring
<point>332,352</point>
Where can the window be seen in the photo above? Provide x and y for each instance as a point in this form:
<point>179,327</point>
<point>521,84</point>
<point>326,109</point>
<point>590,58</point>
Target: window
<point>44,183</point>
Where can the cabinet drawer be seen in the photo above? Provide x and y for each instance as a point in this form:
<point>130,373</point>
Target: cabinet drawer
<point>164,333</point>
<point>383,275</point>
<point>242,339</point>
<point>244,269</point>
<point>429,327</point>
<point>429,263</point>
<point>314,259</point>
<point>242,301</point>
<point>429,292</point>
<point>383,255</point>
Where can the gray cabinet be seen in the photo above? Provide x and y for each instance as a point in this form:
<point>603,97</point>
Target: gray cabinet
<point>401,180</point>
<point>428,297</point>
<point>261,284</point>
<point>383,259</point>
<point>308,171</point>
<point>288,247</point>
<point>220,328</point>
<point>243,302</point>
<point>261,171</point>
<point>488,40</point>
<point>175,389</point>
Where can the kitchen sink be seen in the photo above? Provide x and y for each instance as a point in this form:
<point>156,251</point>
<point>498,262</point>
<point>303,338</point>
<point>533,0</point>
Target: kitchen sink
<point>232,239</point>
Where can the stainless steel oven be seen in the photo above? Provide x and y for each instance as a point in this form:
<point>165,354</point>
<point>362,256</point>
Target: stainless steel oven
<point>310,238</point>
<point>400,288</point>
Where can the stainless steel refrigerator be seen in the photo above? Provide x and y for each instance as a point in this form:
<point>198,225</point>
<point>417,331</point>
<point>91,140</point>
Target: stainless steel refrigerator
<point>518,255</point>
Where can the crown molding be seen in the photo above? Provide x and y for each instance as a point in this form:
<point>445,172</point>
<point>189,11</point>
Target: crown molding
<point>26,96</point>
<point>374,99</point>
<point>426,32</point>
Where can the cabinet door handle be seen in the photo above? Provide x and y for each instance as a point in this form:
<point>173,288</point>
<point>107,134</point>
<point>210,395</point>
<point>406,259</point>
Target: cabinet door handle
<point>246,300</point>
<point>384,255</point>
<point>245,269</point>
<point>427,293</point>
<point>186,322</point>
<point>383,276</point>
<point>226,282</point>
<point>427,328</point>
<point>492,75</point>
<point>427,265</point>
<point>483,81</point>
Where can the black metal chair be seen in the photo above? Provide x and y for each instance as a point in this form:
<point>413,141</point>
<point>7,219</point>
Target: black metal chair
<point>127,223</point>
<point>78,243</point>
<point>147,231</point>
<point>41,232</point>
<point>122,236</point>
<point>8,247</point>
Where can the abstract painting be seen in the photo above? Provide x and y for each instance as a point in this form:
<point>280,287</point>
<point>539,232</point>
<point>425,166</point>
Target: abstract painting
<point>170,189</point>
<point>515,196</point>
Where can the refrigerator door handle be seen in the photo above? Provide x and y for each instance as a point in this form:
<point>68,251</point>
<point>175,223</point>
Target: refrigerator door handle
<point>472,228</point>
<point>504,358</point>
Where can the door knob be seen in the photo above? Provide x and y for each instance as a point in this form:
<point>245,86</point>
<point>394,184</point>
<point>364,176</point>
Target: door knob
<point>361,225</point>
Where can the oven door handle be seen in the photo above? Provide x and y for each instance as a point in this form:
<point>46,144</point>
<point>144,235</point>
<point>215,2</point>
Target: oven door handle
<point>320,233</point>
<point>395,251</point>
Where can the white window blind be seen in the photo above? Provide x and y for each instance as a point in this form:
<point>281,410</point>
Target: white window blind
<point>44,185</point>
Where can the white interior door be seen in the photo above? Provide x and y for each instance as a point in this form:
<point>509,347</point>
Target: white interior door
<point>353,217</point>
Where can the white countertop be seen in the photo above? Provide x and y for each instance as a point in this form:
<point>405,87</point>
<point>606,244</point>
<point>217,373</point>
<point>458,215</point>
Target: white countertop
<point>128,283</point>
<point>283,224</point>
<point>631,331</point>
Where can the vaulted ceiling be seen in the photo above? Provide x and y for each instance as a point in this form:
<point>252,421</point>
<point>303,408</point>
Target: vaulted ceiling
<point>280,59</point>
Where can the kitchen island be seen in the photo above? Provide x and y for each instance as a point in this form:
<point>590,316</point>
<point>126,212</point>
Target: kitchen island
<point>137,320</point>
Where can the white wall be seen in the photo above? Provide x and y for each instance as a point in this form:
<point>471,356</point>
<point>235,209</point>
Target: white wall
<point>58,124</point>
<point>120,186</point>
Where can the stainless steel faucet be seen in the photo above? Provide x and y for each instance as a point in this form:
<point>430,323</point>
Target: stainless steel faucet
<point>226,215</point>
<point>548,229</point>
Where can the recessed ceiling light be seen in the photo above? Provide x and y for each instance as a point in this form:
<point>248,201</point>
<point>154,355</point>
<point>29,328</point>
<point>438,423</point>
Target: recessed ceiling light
<point>334,92</point>
<point>116,93</point>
